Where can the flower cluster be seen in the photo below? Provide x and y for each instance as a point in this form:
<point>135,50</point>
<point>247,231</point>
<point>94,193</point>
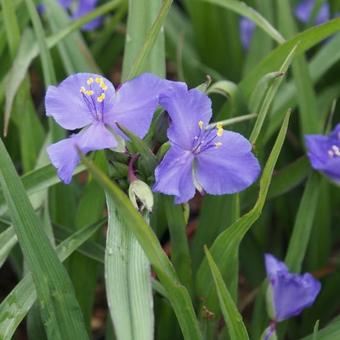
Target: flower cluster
<point>290,293</point>
<point>201,157</point>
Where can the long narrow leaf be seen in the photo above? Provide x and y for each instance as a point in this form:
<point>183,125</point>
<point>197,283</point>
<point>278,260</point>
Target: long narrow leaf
<point>16,305</point>
<point>59,307</point>
<point>232,317</point>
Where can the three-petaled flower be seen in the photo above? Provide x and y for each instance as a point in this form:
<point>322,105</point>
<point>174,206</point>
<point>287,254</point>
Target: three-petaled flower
<point>90,102</point>
<point>324,153</point>
<point>209,159</point>
<point>291,293</point>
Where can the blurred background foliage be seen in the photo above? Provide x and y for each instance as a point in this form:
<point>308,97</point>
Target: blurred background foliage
<point>300,219</point>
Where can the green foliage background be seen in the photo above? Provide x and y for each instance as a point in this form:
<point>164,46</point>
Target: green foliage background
<point>52,236</point>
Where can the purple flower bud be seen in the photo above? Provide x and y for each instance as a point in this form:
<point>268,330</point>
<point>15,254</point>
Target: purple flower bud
<point>324,153</point>
<point>90,102</point>
<point>247,28</point>
<point>291,293</point>
<point>211,160</point>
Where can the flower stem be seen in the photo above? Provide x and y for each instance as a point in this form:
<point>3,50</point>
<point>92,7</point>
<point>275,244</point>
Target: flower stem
<point>234,120</point>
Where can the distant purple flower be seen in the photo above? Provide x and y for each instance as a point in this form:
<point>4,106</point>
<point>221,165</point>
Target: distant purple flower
<point>291,292</point>
<point>90,102</point>
<point>304,10</point>
<point>211,160</point>
<point>247,28</point>
<point>324,153</point>
<point>83,8</point>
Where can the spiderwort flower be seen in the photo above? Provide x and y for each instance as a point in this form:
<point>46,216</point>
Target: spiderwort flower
<point>291,293</point>
<point>90,102</point>
<point>304,10</point>
<point>208,159</point>
<point>324,153</point>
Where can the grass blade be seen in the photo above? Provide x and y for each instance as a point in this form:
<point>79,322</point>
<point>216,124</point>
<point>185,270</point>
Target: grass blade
<point>59,307</point>
<point>180,255</point>
<point>36,181</point>
<point>273,60</point>
<point>17,304</point>
<point>248,12</point>
<point>303,224</point>
<point>232,317</point>
<point>150,39</point>
<point>8,240</point>
<point>272,90</point>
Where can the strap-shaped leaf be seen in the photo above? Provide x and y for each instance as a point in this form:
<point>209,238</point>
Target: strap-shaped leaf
<point>16,305</point>
<point>59,308</point>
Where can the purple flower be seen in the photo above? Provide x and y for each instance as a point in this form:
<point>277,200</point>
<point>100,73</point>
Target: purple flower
<point>324,153</point>
<point>304,10</point>
<point>291,292</point>
<point>209,159</point>
<point>247,28</point>
<point>83,8</point>
<point>91,103</point>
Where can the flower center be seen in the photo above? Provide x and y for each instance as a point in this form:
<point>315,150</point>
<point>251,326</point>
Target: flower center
<point>207,138</point>
<point>94,96</point>
<point>334,151</point>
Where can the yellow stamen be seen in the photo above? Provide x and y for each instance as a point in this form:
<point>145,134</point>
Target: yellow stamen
<point>99,80</point>
<point>82,89</point>
<point>101,97</point>
<point>220,130</point>
<point>103,86</point>
<point>89,81</point>
<point>89,92</point>
<point>218,144</point>
<point>200,124</point>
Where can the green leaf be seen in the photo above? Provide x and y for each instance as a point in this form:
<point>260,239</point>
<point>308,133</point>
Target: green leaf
<point>305,92</point>
<point>226,246</point>
<point>11,25</point>
<point>19,301</point>
<point>47,64</point>
<point>178,295</point>
<point>248,12</point>
<point>36,181</point>
<point>236,328</point>
<point>180,255</point>
<point>8,240</point>
<point>330,332</point>
<point>59,308</point>
<point>269,96</point>
<point>128,280</point>
<point>273,60</point>
<point>303,224</point>
<point>28,50</point>
<point>144,44</point>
